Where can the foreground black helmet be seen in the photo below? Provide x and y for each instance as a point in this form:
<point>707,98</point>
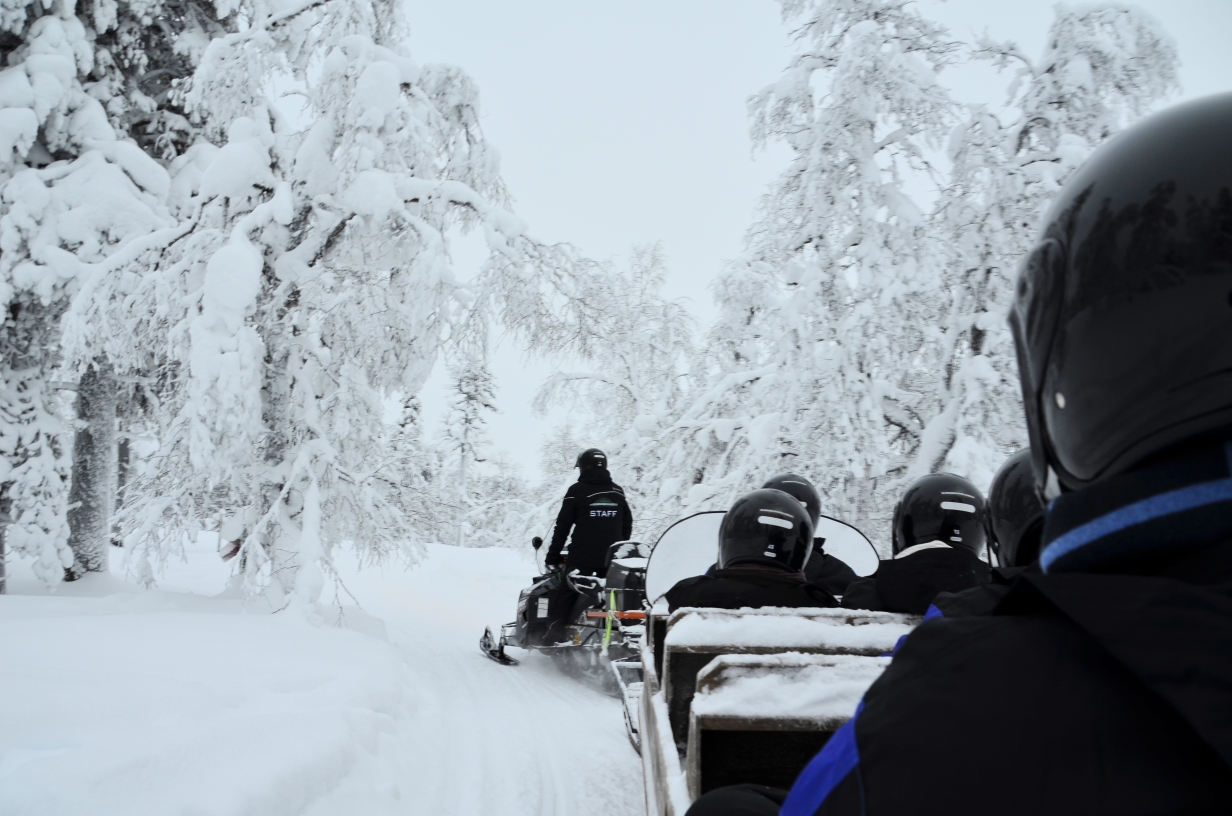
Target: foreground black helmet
<point>591,458</point>
<point>1015,514</point>
<point>1123,311</point>
<point>940,507</point>
<point>801,489</point>
<point>766,527</point>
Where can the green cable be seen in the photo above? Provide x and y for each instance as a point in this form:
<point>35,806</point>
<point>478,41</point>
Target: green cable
<point>607,634</point>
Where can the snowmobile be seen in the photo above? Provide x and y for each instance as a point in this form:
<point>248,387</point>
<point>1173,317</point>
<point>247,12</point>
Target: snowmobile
<point>604,623</point>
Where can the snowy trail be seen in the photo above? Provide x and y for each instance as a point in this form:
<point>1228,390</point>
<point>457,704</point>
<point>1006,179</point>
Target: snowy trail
<point>171,701</point>
<point>477,737</point>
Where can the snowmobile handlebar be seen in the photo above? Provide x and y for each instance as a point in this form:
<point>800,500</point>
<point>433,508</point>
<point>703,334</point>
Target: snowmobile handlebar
<point>583,584</point>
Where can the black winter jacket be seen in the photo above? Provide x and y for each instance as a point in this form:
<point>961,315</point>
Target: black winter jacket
<point>1100,686</point>
<point>1084,694</point>
<point>830,573</point>
<point>984,598</point>
<point>909,584</point>
<point>594,508</point>
<point>736,588</point>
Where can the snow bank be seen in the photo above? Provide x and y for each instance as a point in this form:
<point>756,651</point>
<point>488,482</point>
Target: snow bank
<point>127,702</point>
<point>157,702</point>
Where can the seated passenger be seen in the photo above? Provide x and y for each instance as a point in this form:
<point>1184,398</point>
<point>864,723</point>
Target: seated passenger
<point>1013,521</point>
<point>1015,515</point>
<point>764,542</point>
<point>830,573</point>
<point>938,535</point>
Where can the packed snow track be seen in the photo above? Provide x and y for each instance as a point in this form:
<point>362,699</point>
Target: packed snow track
<point>166,702</point>
<point>485,738</point>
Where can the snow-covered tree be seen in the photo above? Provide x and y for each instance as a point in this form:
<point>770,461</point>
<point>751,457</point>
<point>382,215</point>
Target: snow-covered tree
<point>638,363</point>
<point>557,455</point>
<point>1102,67</point>
<point>861,339</point>
<point>641,348</point>
<point>144,52</point>
<point>73,195</point>
<point>472,398</point>
<point>308,278</point>
<point>414,470</point>
<point>503,510</point>
<point>822,360</point>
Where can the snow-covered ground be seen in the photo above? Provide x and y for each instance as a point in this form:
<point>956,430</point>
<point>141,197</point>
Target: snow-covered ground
<point>119,701</point>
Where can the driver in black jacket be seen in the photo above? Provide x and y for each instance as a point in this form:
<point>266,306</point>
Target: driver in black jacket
<point>595,510</point>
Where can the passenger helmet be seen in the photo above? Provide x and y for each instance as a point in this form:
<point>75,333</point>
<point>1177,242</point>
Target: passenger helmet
<point>1122,315</point>
<point>1014,518</point>
<point>801,489</point>
<point>591,458</point>
<point>940,507</point>
<point>766,527</point>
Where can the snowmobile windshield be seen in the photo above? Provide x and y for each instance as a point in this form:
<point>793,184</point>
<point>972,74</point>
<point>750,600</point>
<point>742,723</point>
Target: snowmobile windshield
<point>847,544</point>
<point>687,548</point>
<point>691,546</point>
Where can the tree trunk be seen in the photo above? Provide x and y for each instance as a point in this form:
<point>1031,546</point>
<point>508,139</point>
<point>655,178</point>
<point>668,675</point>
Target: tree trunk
<point>462,479</point>
<point>122,455</point>
<point>92,496</point>
<point>4,547</point>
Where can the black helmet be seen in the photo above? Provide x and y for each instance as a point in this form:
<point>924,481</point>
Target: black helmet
<point>1123,310</point>
<point>766,527</point>
<point>799,488</point>
<point>591,458</point>
<point>940,507</point>
<point>1015,514</point>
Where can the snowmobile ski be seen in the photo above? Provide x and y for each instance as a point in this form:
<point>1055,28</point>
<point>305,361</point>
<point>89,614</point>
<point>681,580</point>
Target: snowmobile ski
<point>495,649</point>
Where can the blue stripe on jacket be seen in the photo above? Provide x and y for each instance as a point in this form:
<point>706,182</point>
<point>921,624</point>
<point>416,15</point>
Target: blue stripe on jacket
<point>823,774</point>
<point>1165,504</point>
<point>839,757</point>
<point>932,612</point>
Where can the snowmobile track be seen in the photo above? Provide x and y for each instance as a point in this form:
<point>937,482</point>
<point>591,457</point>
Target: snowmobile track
<point>481,738</point>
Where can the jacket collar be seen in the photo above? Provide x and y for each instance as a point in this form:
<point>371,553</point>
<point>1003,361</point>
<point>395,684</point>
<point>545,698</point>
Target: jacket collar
<point>927,545</point>
<point>596,476</point>
<point>1166,510</point>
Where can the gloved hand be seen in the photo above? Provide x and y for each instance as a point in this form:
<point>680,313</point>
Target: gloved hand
<point>552,564</point>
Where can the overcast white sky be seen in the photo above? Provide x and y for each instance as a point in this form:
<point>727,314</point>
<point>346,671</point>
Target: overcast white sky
<point>625,123</point>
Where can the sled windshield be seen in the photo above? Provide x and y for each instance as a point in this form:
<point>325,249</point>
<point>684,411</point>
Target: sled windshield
<point>687,548</point>
<point>690,547</point>
<point>848,545</point>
